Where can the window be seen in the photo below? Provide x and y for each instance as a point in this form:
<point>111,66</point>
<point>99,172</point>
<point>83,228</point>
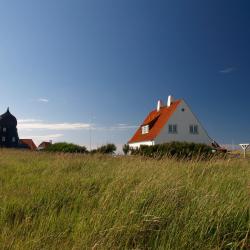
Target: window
<point>4,129</point>
<point>145,129</point>
<point>13,139</point>
<point>172,128</point>
<point>3,139</point>
<point>193,129</point>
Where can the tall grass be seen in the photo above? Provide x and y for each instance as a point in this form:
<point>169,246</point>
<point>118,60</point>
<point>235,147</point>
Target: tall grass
<point>56,201</point>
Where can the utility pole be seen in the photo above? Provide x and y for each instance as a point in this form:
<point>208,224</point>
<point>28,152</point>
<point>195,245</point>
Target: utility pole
<point>90,134</point>
<point>90,131</point>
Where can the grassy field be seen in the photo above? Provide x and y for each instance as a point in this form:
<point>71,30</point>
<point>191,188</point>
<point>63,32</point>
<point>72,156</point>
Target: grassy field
<point>50,201</point>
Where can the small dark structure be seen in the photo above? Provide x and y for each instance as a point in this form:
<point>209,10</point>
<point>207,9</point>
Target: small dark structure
<point>9,136</point>
<point>44,145</point>
<point>8,130</point>
<point>27,143</point>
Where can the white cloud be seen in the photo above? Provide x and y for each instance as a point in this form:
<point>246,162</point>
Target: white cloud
<point>43,137</point>
<point>36,124</point>
<point>116,127</point>
<point>44,100</point>
<point>227,70</point>
<point>27,125</point>
<point>28,120</point>
<point>123,127</point>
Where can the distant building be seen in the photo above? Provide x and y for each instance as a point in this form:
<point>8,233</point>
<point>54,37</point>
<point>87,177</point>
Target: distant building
<point>44,145</point>
<point>172,122</point>
<point>28,143</point>
<point>9,136</point>
<point>8,130</point>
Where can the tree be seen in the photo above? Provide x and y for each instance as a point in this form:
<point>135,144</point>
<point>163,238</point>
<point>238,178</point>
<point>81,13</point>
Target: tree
<point>109,148</point>
<point>125,149</point>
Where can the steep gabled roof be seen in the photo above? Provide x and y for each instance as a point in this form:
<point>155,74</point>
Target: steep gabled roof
<point>29,143</point>
<point>156,121</point>
<point>44,144</point>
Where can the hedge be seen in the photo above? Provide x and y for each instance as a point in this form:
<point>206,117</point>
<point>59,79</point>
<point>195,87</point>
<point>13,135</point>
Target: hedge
<point>65,147</point>
<point>109,148</point>
<point>179,150</point>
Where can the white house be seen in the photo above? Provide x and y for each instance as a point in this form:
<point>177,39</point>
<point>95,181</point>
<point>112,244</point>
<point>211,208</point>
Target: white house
<point>172,122</point>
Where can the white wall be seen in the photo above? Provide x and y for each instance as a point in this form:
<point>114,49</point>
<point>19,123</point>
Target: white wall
<point>183,119</point>
<point>138,144</point>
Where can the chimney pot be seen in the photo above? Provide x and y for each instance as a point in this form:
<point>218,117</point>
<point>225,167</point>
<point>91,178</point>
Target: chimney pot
<point>159,105</point>
<point>170,100</point>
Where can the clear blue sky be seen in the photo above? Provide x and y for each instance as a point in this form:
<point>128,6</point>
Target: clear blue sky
<point>107,62</point>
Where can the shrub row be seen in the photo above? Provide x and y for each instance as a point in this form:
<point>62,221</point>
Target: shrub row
<point>105,149</point>
<point>179,150</point>
<point>65,147</point>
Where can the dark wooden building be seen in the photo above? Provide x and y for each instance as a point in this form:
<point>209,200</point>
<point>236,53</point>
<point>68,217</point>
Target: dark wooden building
<point>8,130</point>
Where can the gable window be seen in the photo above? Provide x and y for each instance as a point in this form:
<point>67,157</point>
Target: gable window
<point>145,129</point>
<point>3,139</point>
<point>4,129</point>
<point>172,128</point>
<point>193,129</point>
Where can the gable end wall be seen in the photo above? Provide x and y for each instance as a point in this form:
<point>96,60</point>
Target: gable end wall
<point>183,121</point>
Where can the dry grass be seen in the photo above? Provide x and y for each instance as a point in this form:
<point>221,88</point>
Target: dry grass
<point>50,201</point>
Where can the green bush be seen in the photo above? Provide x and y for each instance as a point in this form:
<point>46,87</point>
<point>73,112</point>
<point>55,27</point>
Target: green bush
<point>65,147</point>
<point>125,149</point>
<point>109,148</point>
<point>179,150</point>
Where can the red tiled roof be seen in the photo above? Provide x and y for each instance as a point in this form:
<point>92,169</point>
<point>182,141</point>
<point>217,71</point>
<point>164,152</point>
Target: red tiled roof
<point>44,144</point>
<point>29,143</point>
<point>155,120</point>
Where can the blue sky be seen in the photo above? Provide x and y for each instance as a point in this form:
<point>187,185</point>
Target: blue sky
<point>67,64</point>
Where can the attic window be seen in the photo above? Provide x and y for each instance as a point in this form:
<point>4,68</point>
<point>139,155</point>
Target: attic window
<point>145,129</point>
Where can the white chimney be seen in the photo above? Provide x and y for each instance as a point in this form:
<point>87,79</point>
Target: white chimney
<point>170,100</point>
<point>159,105</point>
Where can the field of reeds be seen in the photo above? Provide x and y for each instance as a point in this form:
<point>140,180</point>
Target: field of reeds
<point>58,201</point>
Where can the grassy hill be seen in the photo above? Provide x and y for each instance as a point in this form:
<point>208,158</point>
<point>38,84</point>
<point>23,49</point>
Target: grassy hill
<point>56,201</point>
